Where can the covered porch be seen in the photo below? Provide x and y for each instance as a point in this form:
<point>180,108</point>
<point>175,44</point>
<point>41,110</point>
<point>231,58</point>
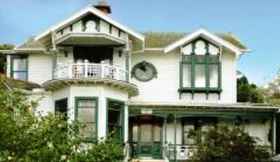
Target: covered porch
<point>161,131</point>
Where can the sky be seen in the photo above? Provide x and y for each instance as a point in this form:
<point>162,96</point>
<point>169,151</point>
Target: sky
<point>255,22</point>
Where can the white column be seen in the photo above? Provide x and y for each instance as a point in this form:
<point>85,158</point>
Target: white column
<point>71,105</point>
<point>102,114</point>
<point>8,68</point>
<point>126,123</point>
<point>274,133</point>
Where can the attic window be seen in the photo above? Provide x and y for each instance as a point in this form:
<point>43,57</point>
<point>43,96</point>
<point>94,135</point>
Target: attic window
<point>200,69</point>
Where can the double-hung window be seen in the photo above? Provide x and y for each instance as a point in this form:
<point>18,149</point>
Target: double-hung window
<point>200,67</point>
<point>86,114</point>
<point>19,67</point>
<point>115,119</point>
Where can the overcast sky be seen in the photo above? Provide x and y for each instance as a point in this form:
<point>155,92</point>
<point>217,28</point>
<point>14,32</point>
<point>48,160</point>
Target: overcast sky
<point>255,22</point>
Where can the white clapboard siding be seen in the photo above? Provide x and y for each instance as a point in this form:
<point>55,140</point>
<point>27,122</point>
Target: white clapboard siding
<point>40,68</point>
<point>165,87</point>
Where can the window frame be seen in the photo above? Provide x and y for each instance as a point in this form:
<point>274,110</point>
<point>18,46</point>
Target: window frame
<point>12,71</point>
<point>122,117</point>
<point>77,99</point>
<point>56,103</point>
<point>192,61</point>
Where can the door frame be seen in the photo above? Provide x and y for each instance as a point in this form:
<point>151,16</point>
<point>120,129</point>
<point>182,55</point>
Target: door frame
<point>156,149</point>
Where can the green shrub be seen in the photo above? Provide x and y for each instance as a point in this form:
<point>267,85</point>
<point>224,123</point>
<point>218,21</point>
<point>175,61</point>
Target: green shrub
<point>227,144</point>
<point>29,138</point>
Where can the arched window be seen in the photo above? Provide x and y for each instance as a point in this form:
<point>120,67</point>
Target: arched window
<point>200,67</point>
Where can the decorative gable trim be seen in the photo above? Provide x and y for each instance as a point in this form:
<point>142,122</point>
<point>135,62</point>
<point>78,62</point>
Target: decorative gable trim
<point>206,35</point>
<point>96,12</point>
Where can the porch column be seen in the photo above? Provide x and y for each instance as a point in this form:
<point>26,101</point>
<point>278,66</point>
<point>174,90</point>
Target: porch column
<point>274,133</point>
<point>165,130</point>
<point>101,120</point>
<point>126,123</point>
<point>175,137</point>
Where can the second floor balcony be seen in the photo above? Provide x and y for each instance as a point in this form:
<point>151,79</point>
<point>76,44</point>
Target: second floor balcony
<point>88,70</point>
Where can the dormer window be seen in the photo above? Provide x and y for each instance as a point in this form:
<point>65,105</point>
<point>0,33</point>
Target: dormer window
<point>200,67</point>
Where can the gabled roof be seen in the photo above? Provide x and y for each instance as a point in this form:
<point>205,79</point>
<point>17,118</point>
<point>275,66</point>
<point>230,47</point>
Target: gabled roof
<point>230,43</point>
<point>163,39</point>
<point>96,12</point>
<point>31,45</point>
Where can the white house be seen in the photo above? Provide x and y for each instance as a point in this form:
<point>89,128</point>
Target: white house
<point>152,88</point>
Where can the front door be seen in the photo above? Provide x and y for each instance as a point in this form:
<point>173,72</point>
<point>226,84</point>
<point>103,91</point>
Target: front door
<point>146,136</point>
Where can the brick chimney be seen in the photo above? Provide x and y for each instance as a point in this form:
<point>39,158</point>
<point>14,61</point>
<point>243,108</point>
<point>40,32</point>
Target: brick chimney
<point>103,6</point>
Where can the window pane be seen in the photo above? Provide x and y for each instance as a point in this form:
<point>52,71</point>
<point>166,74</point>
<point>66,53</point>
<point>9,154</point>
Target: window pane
<point>86,115</point>
<point>200,76</point>
<point>213,59</point>
<point>20,75</point>
<point>200,59</point>
<point>157,133</point>
<point>213,76</point>
<point>186,75</point>
<point>19,64</point>
<point>146,133</point>
<point>187,58</point>
<point>88,130</point>
<point>114,117</point>
<point>135,133</point>
<point>187,139</point>
<point>87,103</point>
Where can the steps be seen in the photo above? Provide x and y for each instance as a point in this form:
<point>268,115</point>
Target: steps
<point>138,160</point>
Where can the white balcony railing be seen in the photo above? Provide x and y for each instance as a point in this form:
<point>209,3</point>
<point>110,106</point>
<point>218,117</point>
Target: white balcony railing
<point>89,71</point>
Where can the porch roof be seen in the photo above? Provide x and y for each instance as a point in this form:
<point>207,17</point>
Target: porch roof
<point>179,106</point>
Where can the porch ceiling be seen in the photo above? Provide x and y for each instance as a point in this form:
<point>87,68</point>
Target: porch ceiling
<point>186,106</point>
<point>85,39</point>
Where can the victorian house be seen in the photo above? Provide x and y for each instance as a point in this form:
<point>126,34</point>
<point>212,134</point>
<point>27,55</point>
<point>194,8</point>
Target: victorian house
<point>150,88</point>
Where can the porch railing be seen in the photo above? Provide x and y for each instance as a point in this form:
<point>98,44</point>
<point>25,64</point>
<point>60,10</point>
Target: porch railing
<point>89,71</point>
<point>178,152</point>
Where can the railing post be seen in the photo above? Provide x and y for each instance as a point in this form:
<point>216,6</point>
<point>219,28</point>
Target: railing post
<point>102,70</point>
<point>86,69</point>
<point>70,71</point>
<point>117,74</point>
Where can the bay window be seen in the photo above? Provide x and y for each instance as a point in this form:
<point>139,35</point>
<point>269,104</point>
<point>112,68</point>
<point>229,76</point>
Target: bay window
<point>200,67</point>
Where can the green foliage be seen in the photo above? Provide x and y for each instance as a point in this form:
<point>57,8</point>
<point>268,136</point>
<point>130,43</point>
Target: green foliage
<point>227,144</point>
<point>247,92</point>
<point>3,57</point>
<point>105,151</point>
<point>272,91</point>
<point>29,138</point>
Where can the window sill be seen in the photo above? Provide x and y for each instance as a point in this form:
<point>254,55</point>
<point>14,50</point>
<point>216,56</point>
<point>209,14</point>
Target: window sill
<point>206,90</point>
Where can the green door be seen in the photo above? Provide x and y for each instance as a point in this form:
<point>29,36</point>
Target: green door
<point>147,137</point>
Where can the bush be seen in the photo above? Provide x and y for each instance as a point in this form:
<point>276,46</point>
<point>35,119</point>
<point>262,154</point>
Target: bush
<point>227,144</point>
<point>29,138</point>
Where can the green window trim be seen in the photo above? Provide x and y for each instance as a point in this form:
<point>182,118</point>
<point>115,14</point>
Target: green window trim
<point>12,71</point>
<point>93,139</point>
<point>207,60</point>
<point>122,113</point>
